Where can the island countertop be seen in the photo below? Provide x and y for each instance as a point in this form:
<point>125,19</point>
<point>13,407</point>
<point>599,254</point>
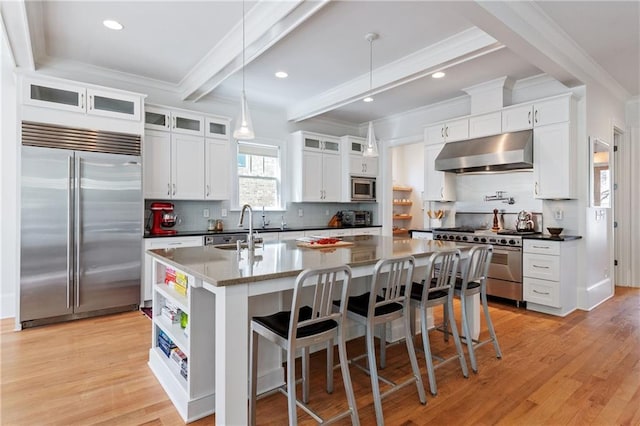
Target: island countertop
<point>278,259</point>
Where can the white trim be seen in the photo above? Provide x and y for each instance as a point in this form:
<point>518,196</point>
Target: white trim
<point>6,43</point>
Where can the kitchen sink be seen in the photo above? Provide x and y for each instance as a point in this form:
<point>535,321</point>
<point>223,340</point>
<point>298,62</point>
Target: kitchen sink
<point>233,247</point>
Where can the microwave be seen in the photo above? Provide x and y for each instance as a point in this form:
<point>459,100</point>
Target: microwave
<point>363,189</point>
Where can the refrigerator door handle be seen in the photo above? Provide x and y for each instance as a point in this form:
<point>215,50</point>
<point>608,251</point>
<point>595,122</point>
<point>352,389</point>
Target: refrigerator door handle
<point>70,187</point>
<point>78,161</point>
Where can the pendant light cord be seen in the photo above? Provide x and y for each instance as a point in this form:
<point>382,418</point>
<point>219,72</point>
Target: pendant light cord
<point>370,65</point>
<point>243,46</point>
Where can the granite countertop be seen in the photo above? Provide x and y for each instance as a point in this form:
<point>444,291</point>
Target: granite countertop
<point>548,237</point>
<point>245,230</point>
<point>275,259</point>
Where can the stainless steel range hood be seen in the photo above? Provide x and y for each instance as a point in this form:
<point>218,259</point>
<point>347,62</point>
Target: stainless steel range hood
<point>508,151</point>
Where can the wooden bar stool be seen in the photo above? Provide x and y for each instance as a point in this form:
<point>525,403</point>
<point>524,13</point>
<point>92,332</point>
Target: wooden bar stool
<point>384,303</point>
<point>301,328</point>
<point>474,281</point>
<point>437,290</point>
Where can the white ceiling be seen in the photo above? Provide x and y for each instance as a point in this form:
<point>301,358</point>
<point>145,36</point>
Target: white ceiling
<point>194,48</point>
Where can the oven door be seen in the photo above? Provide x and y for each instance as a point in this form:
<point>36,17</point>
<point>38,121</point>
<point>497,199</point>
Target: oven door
<point>506,264</point>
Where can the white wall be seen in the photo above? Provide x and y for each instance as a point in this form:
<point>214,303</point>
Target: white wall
<point>630,193</point>
<point>8,183</point>
<point>595,278</point>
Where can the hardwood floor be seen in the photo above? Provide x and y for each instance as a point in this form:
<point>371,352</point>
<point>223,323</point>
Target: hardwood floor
<point>582,369</point>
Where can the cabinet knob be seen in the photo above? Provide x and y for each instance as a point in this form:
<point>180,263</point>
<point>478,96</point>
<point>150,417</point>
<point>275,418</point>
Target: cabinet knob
<point>174,189</point>
<point>529,117</point>
<point>535,116</point>
<point>168,189</point>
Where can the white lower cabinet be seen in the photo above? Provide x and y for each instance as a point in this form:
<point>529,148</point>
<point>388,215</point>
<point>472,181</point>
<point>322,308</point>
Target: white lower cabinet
<point>161,243</point>
<point>422,235</point>
<point>290,235</point>
<point>366,231</point>
<point>190,384</point>
<point>549,276</point>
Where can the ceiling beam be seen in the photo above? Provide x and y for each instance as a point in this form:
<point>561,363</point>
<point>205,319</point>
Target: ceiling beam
<point>266,23</point>
<point>16,24</point>
<point>454,50</point>
<point>529,32</point>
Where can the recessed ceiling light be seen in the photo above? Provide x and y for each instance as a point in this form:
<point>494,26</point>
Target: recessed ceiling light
<point>112,25</point>
<point>438,74</point>
<point>368,99</point>
<point>282,74</point>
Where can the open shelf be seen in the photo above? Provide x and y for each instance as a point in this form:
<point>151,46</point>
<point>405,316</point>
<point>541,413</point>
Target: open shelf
<point>403,188</point>
<point>403,203</point>
<point>401,217</point>
<point>400,231</point>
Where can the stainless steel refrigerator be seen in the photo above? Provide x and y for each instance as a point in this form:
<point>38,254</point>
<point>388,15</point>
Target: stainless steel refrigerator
<point>81,223</point>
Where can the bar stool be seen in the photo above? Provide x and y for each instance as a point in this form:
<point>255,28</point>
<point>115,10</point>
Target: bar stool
<point>474,281</point>
<point>301,328</point>
<point>439,292</point>
<point>384,303</point>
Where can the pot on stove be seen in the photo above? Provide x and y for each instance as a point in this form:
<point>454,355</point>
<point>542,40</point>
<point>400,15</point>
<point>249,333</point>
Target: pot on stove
<point>525,221</point>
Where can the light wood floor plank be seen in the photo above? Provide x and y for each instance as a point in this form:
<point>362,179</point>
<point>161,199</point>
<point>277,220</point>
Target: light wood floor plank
<point>582,369</point>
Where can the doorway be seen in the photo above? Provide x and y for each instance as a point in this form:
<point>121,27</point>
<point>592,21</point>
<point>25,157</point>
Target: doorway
<point>621,193</point>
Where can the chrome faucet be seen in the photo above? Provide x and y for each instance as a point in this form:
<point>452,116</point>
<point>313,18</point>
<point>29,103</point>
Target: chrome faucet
<point>251,239</point>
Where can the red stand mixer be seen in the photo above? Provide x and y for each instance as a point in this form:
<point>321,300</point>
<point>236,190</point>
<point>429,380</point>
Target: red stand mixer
<point>163,217</point>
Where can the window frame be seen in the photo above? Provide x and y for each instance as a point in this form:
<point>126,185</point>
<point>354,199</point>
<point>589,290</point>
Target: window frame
<point>283,189</point>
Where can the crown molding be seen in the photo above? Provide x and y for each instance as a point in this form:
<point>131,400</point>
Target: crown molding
<point>535,80</point>
<point>5,42</point>
<point>554,51</point>
<point>75,70</point>
<point>461,47</point>
<point>266,23</point>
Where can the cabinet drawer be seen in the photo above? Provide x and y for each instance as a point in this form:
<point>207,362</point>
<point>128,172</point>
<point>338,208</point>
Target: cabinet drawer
<point>542,292</point>
<point>541,266</point>
<point>172,242</point>
<point>541,247</point>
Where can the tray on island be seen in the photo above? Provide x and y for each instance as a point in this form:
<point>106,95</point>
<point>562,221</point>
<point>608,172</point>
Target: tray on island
<point>322,242</point>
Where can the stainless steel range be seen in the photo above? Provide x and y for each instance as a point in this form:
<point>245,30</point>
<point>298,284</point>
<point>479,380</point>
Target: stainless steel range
<point>505,273</point>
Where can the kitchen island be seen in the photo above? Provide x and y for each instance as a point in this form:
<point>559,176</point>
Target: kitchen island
<point>226,288</point>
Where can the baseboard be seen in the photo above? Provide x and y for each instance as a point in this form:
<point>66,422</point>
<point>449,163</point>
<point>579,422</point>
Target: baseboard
<point>596,294</point>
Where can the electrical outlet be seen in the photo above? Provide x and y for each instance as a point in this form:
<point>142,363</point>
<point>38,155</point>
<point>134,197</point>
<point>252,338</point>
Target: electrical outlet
<point>223,212</point>
<point>300,212</point>
<point>205,213</point>
<point>558,214</point>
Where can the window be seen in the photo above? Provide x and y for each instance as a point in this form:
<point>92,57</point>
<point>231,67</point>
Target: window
<point>259,175</point>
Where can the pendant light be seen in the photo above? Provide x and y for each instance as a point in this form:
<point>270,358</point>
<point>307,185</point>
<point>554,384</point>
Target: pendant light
<point>244,126</point>
<point>371,148</point>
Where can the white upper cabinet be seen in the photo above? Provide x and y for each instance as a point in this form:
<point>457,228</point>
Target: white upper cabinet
<point>438,186</point>
<point>485,125</point>
<point>217,169</point>
<point>554,162</point>
<point>75,97</point>
<point>173,166</point>
<point>186,155</point>
<point>450,131</point>
<point>354,161</point>
<point>521,117</point>
<point>316,167</point>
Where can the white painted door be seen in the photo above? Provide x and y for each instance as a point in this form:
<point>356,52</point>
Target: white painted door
<point>312,185</point>
<point>456,130</point>
<point>157,165</point>
<point>438,186</point>
<point>434,134</point>
<point>217,169</point>
<point>67,97</point>
<point>187,157</point>
<point>485,125</point>
<point>517,118</point>
<point>115,105</point>
<point>188,124</point>
<point>551,162</point>
<point>552,111</point>
<point>332,177</point>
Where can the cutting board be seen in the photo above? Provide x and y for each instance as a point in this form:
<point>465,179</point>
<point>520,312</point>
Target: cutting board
<point>320,246</point>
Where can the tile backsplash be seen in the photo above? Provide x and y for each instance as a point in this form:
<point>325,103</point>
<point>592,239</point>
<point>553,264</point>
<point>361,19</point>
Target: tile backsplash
<point>191,214</point>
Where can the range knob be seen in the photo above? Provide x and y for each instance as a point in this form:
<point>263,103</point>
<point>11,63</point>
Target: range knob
<point>476,239</point>
<point>451,237</point>
<point>512,242</point>
<point>503,241</point>
<point>483,240</point>
<point>437,237</point>
<point>465,238</point>
<point>458,238</point>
